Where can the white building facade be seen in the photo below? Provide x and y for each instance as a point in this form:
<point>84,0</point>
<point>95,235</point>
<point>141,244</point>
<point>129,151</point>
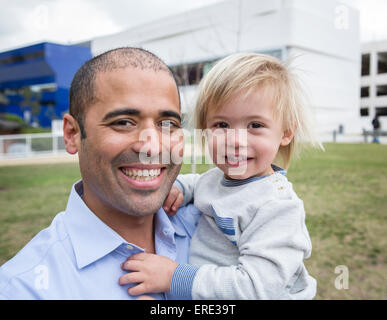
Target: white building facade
<point>322,36</point>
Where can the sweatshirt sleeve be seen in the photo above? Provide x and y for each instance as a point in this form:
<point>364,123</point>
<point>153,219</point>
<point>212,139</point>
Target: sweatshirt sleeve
<point>272,248</point>
<point>187,183</point>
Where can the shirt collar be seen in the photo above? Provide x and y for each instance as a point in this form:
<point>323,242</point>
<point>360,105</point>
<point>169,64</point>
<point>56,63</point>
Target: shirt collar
<point>91,238</point>
<point>235,183</point>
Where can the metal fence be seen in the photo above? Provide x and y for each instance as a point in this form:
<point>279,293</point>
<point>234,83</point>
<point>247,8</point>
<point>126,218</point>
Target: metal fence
<point>29,145</point>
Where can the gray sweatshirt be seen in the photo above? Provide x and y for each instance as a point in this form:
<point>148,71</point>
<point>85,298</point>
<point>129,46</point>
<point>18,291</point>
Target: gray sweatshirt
<point>250,241</point>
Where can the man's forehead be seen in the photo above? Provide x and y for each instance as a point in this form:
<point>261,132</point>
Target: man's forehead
<point>120,78</point>
<point>144,90</point>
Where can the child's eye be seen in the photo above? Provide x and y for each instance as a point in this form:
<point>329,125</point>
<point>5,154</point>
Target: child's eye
<point>222,125</point>
<point>255,125</point>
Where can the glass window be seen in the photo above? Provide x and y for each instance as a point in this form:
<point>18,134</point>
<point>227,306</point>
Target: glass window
<point>22,58</point>
<point>382,62</point>
<point>365,92</point>
<point>381,90</point>
<point>364,112</point>
<point>365,64</point>
<point>381,111</point>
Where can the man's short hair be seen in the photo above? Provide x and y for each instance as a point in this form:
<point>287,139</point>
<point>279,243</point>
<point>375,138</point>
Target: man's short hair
<point>82,89</point>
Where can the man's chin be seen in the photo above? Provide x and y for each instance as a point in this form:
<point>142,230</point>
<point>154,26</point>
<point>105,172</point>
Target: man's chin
<point>143,207</point>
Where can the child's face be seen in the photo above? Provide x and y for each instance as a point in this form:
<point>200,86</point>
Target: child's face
<point>245,136</point>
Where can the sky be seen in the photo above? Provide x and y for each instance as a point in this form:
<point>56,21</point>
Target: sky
<point>24,22</point>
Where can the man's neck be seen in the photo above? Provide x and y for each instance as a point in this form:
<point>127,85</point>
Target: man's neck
<point>135,230</point>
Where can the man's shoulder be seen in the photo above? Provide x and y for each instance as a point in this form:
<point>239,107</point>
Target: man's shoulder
<point>38,255</point>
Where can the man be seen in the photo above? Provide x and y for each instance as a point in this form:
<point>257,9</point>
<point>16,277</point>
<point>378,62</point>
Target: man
<point>124,110</point>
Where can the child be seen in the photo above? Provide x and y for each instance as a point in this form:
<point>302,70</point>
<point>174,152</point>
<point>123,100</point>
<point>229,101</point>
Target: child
<point>251,239</point>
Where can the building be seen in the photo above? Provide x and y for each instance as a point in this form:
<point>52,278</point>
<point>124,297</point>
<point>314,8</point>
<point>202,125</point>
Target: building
<point>373,83</point>
<point>35,80</point>
<point>323,36</point>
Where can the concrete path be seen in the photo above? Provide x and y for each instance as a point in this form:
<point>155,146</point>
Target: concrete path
<point>48,159</point>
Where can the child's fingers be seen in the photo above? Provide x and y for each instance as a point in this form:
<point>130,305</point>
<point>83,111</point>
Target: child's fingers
<point>138,256</point>
<point>179,201</point>
<point>131,277</point>
<point>172,196</point>
<point>176,204</point>
<point>169,201</point>
<point>131,265</point>
<point>137,290</point>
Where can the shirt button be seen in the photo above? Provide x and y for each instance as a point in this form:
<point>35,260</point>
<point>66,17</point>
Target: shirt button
<point>129,247</point>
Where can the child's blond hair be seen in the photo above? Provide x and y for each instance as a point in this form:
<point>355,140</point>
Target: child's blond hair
<point>244,72</point>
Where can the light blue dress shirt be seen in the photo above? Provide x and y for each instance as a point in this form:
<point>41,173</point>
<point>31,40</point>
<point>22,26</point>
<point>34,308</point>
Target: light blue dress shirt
<point>79,257</point>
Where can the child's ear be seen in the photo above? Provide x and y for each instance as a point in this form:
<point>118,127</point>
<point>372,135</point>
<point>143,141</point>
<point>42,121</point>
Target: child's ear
<point>287,137</point>
<point>71,134</point>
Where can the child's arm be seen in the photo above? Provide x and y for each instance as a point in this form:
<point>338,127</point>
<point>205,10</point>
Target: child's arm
<point>181,193</point>
<point>187,184</point>
<point>272,250</point>
<point>271,247</point>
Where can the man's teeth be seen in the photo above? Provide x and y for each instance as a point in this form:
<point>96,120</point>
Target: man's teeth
<point>143,175</point>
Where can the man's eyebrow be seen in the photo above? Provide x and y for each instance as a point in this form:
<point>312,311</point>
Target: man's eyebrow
<point>170,113</point>
<point>120,112</point>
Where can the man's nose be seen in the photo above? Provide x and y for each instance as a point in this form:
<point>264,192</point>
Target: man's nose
<point>148,141</point>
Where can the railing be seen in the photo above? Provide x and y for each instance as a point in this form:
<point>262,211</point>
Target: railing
<point>42,144</point>
<point>29,145</point>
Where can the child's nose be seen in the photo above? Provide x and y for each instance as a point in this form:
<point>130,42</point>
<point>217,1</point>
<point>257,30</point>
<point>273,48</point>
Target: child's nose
<point>237,138</point>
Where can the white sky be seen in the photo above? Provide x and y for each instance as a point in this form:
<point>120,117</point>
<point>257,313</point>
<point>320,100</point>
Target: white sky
<point>23,22</point>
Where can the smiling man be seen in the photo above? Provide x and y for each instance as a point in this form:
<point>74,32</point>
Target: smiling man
<point>124,118</point>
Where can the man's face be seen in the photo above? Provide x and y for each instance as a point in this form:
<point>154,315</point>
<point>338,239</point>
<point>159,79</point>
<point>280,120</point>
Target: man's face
<point>136,116</point>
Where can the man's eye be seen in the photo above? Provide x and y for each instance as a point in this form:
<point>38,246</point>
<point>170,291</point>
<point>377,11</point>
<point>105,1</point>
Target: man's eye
<point>255,125</point>
<point>221,125</point>
<point>168,124</point>
<point>123,123</point>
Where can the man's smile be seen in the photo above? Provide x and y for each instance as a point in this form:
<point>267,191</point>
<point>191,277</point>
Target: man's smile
<point>143,176</point>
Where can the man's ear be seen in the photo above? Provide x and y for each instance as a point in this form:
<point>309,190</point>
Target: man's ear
<point>71,134</point>
<point>287,137</point>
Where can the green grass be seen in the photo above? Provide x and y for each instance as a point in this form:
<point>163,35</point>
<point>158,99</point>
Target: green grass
<point>344,191</point>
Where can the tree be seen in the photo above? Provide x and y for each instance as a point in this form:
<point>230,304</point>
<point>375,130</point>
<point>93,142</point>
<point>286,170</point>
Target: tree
<point>31,99</point>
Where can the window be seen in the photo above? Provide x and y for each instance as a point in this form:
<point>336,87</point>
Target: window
<point>192,73</point>
<point>381,111</point>
<point>382,62</point>
<point>365,64</point>
<point>364,112</point>
<point>22,58</point>
<point>365,92</point>
<point>381,90</point>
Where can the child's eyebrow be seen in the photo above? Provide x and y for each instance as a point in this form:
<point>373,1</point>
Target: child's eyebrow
<point>258,117</point>
<point>249,117</point>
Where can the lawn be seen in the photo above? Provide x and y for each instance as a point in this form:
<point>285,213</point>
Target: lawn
<point>344,190</point>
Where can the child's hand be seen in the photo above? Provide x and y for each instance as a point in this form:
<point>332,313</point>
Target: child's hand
<point>173,201</point>
<point>153,273</point>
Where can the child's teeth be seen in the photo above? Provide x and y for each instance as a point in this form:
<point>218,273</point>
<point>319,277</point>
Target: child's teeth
<point>236,158</point>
